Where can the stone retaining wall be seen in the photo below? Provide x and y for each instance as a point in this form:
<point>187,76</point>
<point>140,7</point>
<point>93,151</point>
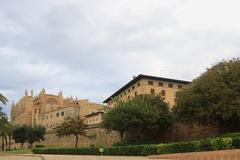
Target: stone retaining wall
<point>99,136</point>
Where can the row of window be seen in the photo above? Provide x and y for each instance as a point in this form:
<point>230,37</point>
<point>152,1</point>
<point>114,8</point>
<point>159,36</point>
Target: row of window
<point>163,92</point>
<point>52,125</point>
<point>92,120</point>
<point>57,115</point>
<point>170,85</point>
<point>152,92</point>
<point>129,90</point>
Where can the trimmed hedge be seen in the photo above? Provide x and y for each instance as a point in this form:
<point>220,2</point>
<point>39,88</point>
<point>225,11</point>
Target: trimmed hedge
<point>145,150</point>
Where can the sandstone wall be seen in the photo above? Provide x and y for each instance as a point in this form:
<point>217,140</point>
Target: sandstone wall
<point>99,137</point>
<point>178,132</point>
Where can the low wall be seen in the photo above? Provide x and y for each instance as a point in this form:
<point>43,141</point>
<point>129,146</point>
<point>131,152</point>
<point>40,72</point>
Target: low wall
<point>182,132</point>
<point>178,132</point>
<point>99,137</point>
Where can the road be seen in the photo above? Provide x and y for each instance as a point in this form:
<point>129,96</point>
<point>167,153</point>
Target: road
<point>68,157</point>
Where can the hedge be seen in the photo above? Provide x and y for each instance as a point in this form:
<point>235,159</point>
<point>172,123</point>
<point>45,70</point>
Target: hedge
<point>145,150</point>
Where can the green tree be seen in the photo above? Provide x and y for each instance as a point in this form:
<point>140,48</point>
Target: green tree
<point>72,126</point>
<point>35,134</point>
<point>3,99</point>
<point>213,98</point>
<point>4,123</point>
<point>139,115</point>
<point>20,134</point>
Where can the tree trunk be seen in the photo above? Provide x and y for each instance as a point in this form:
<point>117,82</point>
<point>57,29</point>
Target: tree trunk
<point>22,144</point>
<point>6,142</point>
<point>76,144</point>
<point>31,144</point>
<point>2,143</point>
<point>9,142</point>
<point>121,135</point>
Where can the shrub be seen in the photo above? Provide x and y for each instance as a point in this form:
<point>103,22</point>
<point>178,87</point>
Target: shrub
<point>236,142</point>
<point>205,145</point>
<point>221,143</point>
<point>144,150</point>
<point>184,147</point>
<point>230,135</point>
<point>74,151</point>
<point>39,146</point>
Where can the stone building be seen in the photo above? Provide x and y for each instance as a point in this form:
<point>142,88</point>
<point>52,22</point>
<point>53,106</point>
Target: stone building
<point>50,110</point>
<point>144,84</point>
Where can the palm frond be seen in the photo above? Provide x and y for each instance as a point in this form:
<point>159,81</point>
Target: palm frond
<point>3,99</point>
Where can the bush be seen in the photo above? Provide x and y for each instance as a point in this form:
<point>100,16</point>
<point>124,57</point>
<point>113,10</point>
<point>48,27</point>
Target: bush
<point>230,135</point>
<point>74,151</point>
<point>236,142</point>
<point>144,150</point>
<point>39,146</point>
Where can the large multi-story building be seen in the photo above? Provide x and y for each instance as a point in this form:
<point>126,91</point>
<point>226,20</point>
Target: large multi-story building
<point>50,110</point>
<point>144,84</point>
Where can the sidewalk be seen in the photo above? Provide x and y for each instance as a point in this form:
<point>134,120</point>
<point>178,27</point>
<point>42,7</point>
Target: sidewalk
<point>75,157</point>
<point>211,155</point>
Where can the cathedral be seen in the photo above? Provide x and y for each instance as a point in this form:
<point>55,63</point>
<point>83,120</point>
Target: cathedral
<point>50,110</point>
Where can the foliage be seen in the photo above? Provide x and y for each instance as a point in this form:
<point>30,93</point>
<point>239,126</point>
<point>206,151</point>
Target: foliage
<point>143,113</point>
<point>21,151</point>
<point>35,134</point>
<point>5,127</point>
<point>20,134</point>
<point>74,151</point>
<point>232,135</point>
<point>213,98</point>
<point>72,126</point>
<point>39,146</point>
<point>3,99</point>
<point>144,150</point>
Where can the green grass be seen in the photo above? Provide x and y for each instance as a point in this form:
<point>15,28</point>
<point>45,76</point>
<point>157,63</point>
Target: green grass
<point>20,151</point>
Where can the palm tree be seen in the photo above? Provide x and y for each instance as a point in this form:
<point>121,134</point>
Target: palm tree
<point>3,99</point>
<point>4,123</point>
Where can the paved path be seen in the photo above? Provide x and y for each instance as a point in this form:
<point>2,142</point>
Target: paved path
<point>20,158</point>
<point>233,154</point>
<point>71,157</point>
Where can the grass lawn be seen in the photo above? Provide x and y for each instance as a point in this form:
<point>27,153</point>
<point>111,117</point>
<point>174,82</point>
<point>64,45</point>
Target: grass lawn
<point>20,151</point>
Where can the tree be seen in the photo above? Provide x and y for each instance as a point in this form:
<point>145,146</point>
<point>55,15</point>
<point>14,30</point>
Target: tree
<point>4,123</point>
<point>144,113</point>
<point>20,134</point>
<point>72,126</point>
<point>35,134</point>
<point>5,133</point>
<point>213,98</point>
<point>3,99</point>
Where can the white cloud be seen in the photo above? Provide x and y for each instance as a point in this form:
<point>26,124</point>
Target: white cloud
<point>91,48</point>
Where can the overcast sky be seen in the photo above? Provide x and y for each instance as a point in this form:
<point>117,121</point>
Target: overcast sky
<point>91,48</point>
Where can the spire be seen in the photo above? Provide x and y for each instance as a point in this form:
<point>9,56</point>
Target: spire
<point>71,98</point>
<point>60,93</point>
<point>31,93</point>
<point>76,99</point>
<point>42,93</point>
<point>43,90</point>
<point>26,93</point>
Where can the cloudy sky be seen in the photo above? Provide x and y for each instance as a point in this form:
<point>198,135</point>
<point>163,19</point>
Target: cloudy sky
<point>90,48</point>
